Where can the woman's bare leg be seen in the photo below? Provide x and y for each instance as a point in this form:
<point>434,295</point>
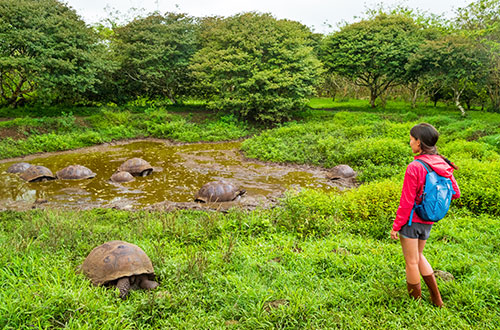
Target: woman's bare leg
<point>412,259</point>
<point>423,265</point>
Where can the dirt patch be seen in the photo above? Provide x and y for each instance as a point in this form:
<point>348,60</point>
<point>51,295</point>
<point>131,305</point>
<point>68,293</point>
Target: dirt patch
<point>11,132</point>
<point>270,305</point>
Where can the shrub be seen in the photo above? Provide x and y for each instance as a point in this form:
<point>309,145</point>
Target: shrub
<point>368,210</point>
<point>478,182</point>
<point>371,208</point>
<point>461,149</point>
<point>109,117</point>
<point>256,66</point>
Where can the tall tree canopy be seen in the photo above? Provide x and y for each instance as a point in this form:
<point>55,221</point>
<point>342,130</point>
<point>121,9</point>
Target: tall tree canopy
<point>154,54</point>
<point>373,52</point>
<point>256,66</point>
<point>46,50</point>
<point>481,21</point>
<point>454,61</point>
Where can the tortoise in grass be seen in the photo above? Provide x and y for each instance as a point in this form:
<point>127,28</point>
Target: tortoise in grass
<point>75,172</point>
<point>18,167</point>
<point>37,173</point>
<point>136,167</point>
<point>341,171</point>
<point>218,191</point>
<point>120,264</point>
<point>122,176</point>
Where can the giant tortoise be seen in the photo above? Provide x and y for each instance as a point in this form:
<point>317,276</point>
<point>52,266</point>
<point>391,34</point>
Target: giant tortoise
<point>37,173</point>
<point>120,264</point>
<point>218,191</point>
<point>18,167</point>
<point>341,171</point>
<point>136,167</point>
<point>122,176</point>
<point>75,172</point>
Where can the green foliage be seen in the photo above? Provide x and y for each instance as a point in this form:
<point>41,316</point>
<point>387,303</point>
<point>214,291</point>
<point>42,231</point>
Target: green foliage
<point>154,54</point>
<point>47,52</point>
<point>256,66</point>
<point>364,141</point>
<point>476,179</point>
<point>109,117</point>
<point>454,61</point>
<point>373,52</point>
<point>367,210</point>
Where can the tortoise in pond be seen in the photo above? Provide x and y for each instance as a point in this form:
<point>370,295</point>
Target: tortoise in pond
<point>37,173</point>
<point>18,167</point>
<point>218,191</point>
<point>340,172</point>
<point>136,167</point>
<point>75,172</point>
<point>121,264</point>
<point>122,176</point>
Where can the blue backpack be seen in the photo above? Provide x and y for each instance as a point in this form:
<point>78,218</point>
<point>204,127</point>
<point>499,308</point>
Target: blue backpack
<point>436,196</point>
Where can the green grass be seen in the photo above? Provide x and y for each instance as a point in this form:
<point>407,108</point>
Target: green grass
<point>220,269</point>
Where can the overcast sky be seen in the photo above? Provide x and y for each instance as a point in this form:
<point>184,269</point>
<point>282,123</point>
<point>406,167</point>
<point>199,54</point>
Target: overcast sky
<point>316,14</point>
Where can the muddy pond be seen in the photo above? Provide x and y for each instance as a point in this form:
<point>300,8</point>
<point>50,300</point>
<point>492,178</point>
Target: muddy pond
<point>179,172</point>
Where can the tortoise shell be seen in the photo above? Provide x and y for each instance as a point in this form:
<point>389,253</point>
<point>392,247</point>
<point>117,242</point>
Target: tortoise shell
<point>340,172</point>
<point>18,167</point>
<point>37,173</point>
<point>136,167</point>
<point>75,172</point>
<point>122,176</point>
<point>114,260</point>
<point>218,191</point>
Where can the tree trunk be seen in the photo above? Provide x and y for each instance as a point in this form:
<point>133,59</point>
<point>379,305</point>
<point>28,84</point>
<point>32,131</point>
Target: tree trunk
<point>457,101</point>
<point>373,97</point>
<point>414,95</point>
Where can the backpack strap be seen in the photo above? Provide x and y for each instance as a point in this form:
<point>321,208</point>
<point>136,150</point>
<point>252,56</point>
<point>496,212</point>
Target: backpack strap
<point>426,166</point>
<point>428,169</point>
<point>411,215</point>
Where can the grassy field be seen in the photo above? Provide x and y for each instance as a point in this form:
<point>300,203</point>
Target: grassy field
<point>317,261</point>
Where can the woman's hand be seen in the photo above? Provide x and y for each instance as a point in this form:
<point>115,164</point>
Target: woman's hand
<point>394,234</point>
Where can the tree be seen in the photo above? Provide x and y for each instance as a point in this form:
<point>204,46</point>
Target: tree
<point>46,51</point>
<point>154,54</point>
<point>454,61</point>
<point>256,66</point>
<point>481,21</point>
<point>373,52</point>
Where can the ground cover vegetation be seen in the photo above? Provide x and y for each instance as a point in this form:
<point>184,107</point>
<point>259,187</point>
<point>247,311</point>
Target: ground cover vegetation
<point>317,261</point>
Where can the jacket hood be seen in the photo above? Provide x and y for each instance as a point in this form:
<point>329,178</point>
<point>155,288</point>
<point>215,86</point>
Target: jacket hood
<point>438,164</point>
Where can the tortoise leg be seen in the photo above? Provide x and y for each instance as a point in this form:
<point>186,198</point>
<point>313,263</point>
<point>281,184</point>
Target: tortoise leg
<point>147,284</point>
<point>123,285</point>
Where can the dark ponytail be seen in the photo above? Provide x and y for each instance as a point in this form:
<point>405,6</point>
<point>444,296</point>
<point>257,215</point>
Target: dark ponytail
<point>428,137</point>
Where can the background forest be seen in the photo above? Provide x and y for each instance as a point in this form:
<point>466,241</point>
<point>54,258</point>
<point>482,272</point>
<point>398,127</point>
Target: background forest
<point>251,65</point>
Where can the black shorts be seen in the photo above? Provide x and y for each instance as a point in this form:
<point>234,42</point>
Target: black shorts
<point>416,230</point>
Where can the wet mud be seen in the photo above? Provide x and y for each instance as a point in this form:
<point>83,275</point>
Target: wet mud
<point>180,170</point>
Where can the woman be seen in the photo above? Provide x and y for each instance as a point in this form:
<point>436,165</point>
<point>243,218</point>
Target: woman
<point>423,138</point>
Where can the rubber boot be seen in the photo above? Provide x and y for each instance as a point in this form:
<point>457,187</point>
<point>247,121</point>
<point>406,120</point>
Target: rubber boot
<point>414,290</point>
<point>430,281</point>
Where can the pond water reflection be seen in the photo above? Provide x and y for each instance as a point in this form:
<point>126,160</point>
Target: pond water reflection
<point>179,171</point>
